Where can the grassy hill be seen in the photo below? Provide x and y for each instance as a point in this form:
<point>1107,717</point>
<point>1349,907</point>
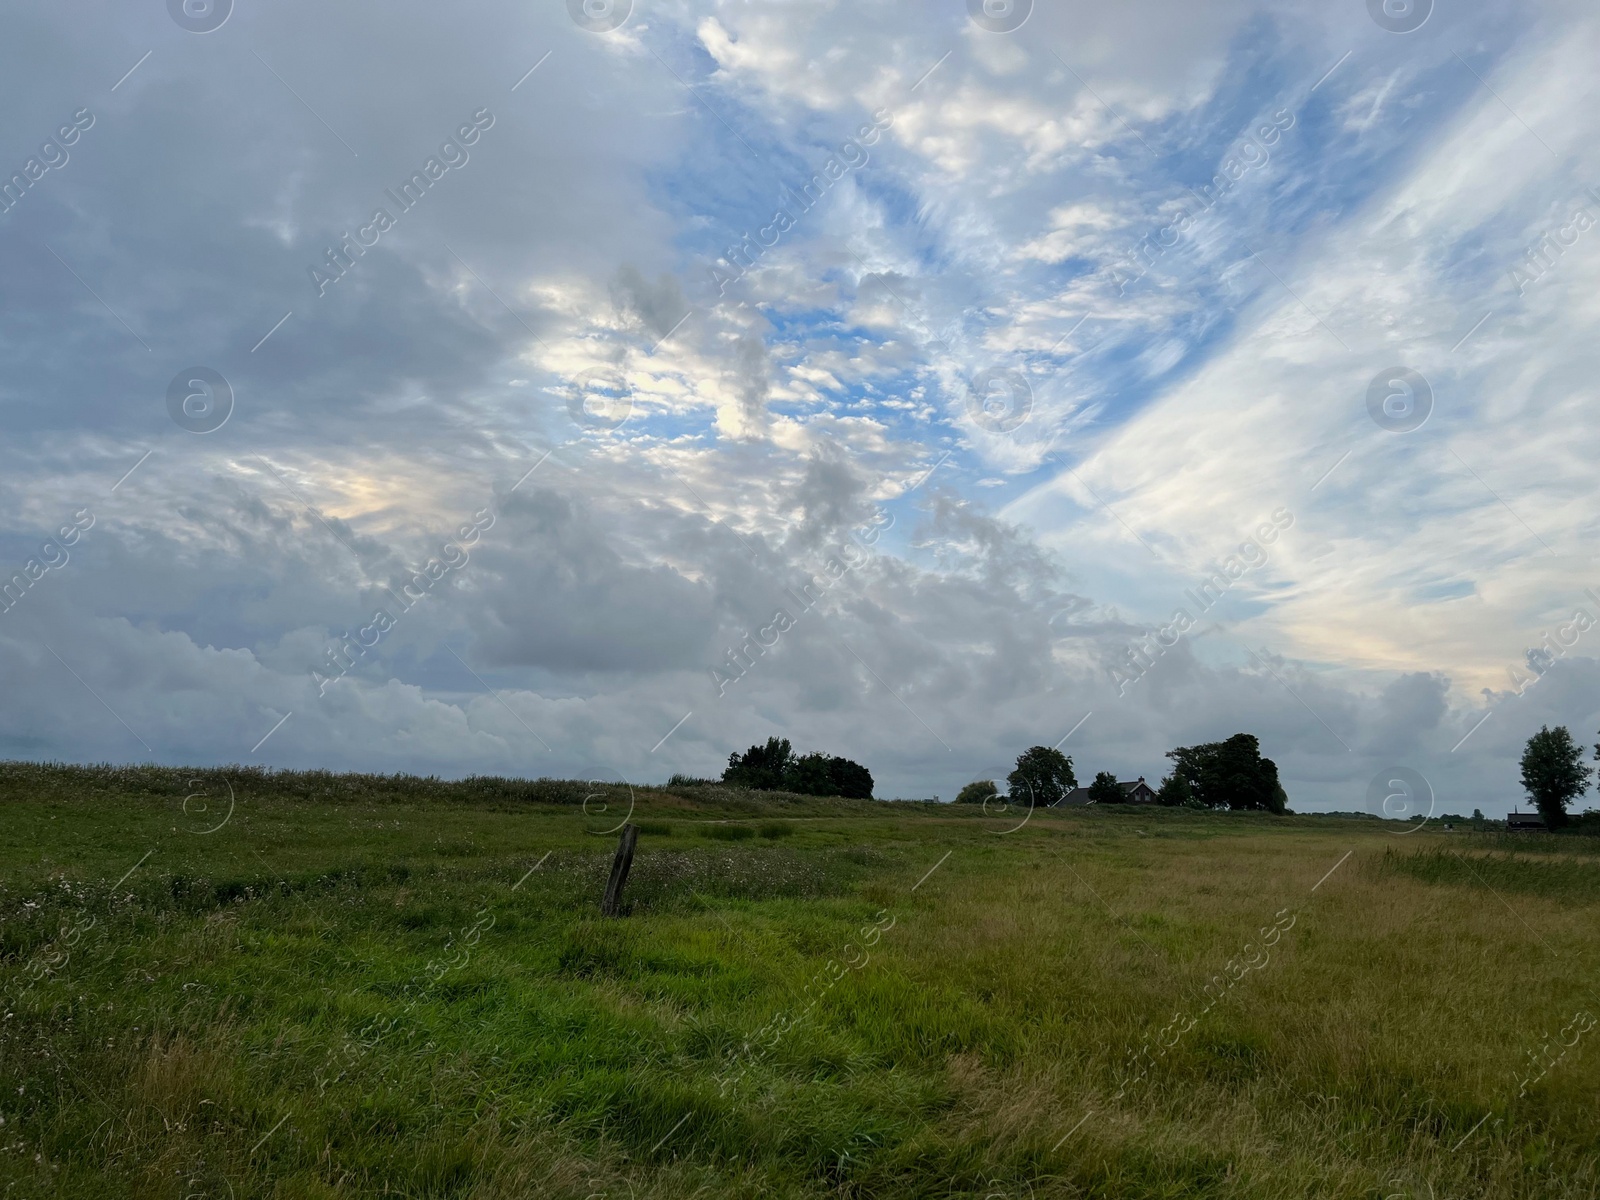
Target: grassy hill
<point>240,984</point>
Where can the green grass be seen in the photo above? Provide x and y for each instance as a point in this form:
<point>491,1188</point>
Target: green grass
<point>369,986</point>
<point>1566,876</point>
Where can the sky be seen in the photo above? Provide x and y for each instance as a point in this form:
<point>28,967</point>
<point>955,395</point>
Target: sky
<point>594,389</point>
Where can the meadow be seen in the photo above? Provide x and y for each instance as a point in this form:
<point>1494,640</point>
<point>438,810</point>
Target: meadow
<point>231,984</point>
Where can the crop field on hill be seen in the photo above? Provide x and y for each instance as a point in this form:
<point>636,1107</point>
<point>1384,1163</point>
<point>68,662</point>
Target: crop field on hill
<point>229,984</point>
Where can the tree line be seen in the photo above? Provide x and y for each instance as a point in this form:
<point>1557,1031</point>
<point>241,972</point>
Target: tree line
<point>1228,774</point>
<point>775,767</point>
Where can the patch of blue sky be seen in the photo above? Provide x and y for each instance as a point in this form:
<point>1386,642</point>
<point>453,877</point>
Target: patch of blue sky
<point>793,324</point>
<point>902,420</point>
<point>1259,77</point>
<point>731,183</point>
<point>756,165</point>
<point>1127,368</point>
<point>1339,164</point>
<point>1321,167</point>
<point>651,425</point>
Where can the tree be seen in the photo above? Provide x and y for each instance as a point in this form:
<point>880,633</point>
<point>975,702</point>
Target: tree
<point>775,768</point>
<point>1106,790</point>
<point>850,779</point>
<point>1230,774</point>
<point>761,768</point>
<point>1553,772</point>
<point>808,775</point>
<point>1043,776</point>
<point>979,791</point>
<point>1175,792</point>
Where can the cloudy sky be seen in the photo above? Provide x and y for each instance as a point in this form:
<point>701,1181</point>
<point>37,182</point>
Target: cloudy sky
<point>457,388</point>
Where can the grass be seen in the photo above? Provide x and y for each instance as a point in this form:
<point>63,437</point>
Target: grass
<point>368,986</point>
<point>1565,874</point>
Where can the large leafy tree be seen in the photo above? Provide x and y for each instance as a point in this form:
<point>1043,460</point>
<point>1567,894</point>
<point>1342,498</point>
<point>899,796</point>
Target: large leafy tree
<point>1553,772</point>
<point>1230,774</point>
<point>1042,777</point>
<point>850,779</point>
<point>1106,790</point>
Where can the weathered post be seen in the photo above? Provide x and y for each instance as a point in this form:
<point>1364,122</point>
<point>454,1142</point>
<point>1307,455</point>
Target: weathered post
<point>619,870</point>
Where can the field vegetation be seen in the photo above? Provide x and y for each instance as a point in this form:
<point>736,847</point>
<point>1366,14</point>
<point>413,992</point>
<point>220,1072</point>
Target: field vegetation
<point>232,984</point>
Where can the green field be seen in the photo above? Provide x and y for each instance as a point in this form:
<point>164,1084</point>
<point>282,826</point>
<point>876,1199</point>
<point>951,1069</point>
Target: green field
<point>357,986</point>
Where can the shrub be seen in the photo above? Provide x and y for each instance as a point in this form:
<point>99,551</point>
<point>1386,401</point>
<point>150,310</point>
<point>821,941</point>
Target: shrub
<point>979,791</point>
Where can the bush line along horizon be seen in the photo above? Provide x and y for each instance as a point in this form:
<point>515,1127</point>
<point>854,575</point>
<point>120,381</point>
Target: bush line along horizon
<point>1230,774</point>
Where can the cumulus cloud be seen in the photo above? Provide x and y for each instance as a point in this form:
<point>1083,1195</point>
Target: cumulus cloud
<point>1197,311</point>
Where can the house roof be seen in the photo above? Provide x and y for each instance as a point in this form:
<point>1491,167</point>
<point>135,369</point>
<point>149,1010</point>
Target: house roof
<point>1080,795</point>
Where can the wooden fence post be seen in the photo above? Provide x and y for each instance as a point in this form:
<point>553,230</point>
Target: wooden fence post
<point>619,870</point>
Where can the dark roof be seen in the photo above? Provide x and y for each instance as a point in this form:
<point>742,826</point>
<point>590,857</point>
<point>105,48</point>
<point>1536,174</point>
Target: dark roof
<point>1515,818</point>
<point>1080,795</point>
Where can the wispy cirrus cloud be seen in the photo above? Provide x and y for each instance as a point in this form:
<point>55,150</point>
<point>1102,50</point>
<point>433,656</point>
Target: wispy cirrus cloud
<point>984,235</point>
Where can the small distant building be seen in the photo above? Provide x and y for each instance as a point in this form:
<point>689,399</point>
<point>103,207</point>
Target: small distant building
<point>1522,820</point>
<point>1137,791</point>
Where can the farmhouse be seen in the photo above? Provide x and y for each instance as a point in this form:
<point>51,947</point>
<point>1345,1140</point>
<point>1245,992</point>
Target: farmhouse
<point>1137,791</point>
<point>1522,820</point>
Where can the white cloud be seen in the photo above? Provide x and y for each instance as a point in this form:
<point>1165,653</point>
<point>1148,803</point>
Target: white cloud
<point>830,378</point>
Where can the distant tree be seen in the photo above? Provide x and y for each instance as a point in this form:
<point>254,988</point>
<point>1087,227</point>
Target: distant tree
<point>1230,774</point>
<point>775,768</point>
<point>1553,772</point>
<point>1106,790</point>
<point>1042,777</point>
<point>761,768</point>
<point>979,791</point>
